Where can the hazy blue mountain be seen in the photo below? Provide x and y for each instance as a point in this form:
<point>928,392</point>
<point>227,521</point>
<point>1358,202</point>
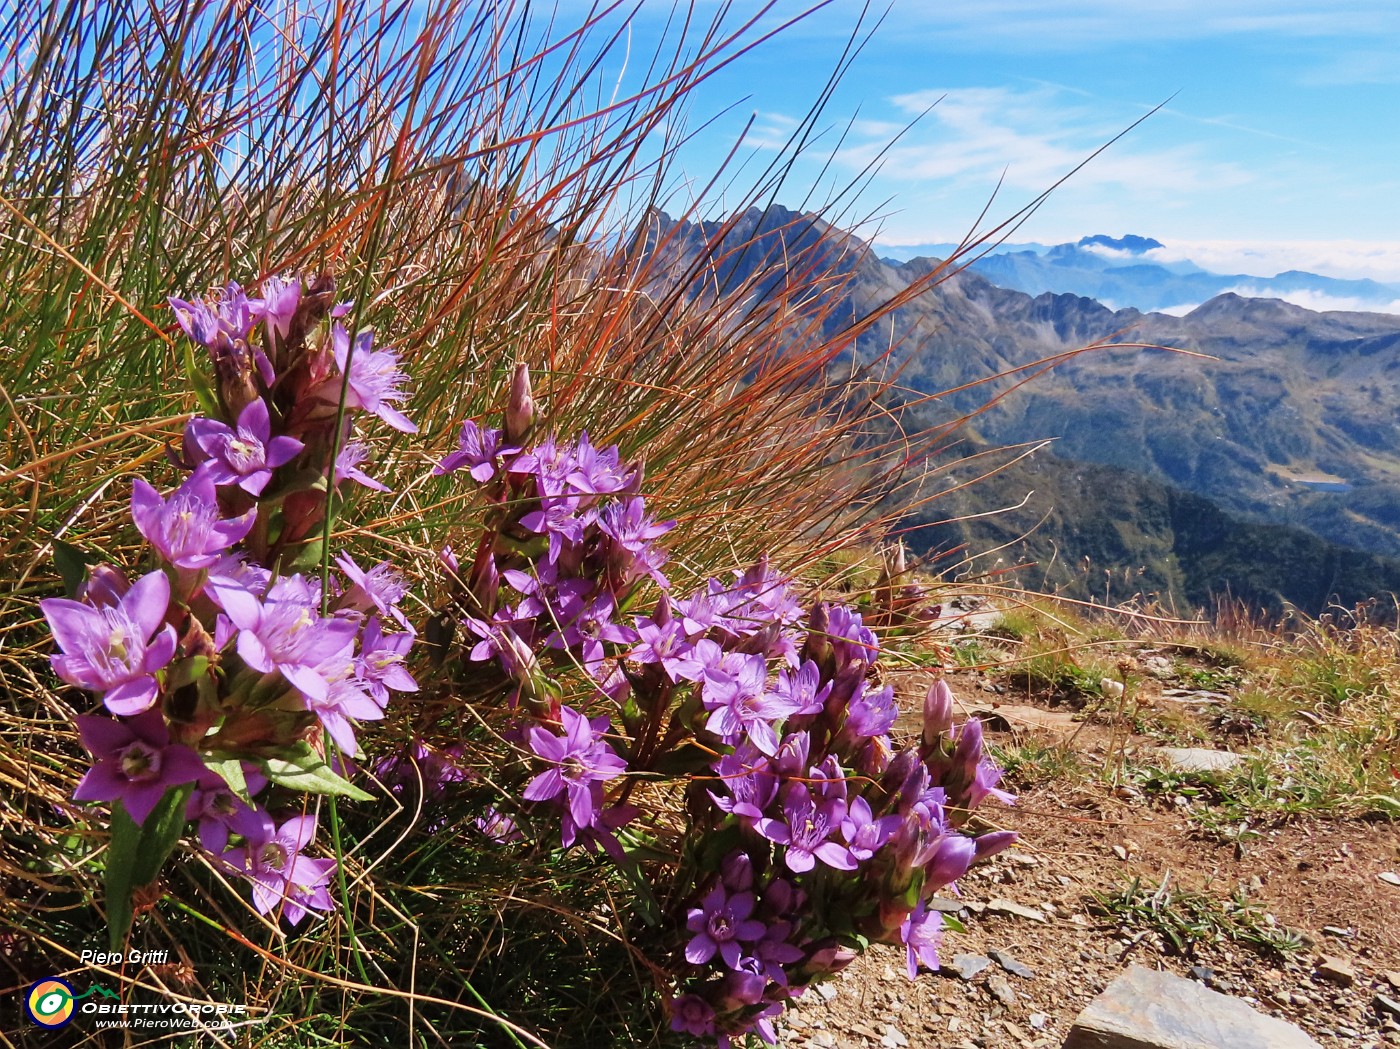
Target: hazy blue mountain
<point>1123,272</point>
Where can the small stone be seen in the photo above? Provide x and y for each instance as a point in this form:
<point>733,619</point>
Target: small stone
<point>1201,973</point>
<point>823,1040</point>
<point>943,905</point>
<point>893,1038</point>
<point>1020,859</point>
<point>1390,878</point>
<point>1386,1006</point>
<point>827,991</point>
<point>1011,965</point>
<point>1198,759</point>
<point>1337,970</point>
<point>1333,930</point>
<point>1014,910</point>
<point>1001,990</point>
<point>1348,1032</point>
<point>965,966</point>
<point>887,973</point>
<point>1120,852</point>
<point>1038,1021</point>
<point>1392,977</point>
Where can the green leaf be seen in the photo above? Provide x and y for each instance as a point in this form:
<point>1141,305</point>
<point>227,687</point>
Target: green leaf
<point>72,565</point>
<point>199,379</point>
<point>951,921</point>
<point>136,855</point>
<point>303,769</point>
<point>231,770</point>
<point>186,672</point>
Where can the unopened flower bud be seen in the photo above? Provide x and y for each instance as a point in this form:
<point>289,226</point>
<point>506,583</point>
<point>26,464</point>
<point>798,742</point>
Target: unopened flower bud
<point>103,587</point>
<point>938,713</point>
<point>994,842</point>
<point>520,409</point>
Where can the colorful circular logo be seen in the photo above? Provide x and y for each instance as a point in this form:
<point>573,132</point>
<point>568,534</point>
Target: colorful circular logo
<point>50,1002</point>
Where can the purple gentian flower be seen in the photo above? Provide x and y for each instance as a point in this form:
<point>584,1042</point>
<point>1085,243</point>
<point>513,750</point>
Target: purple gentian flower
<point>222,326</point>
<point>666,644</point>
<point>807,830</point>
<point>285,632</point>
<point>850,639</point>
<point>380,588</point>
<point>272,860</point>
<point>347,466</point>
<point>136,762</point>
<point>864,834</point>
<point>920,934</point>
<point>478,450</point>
<point>373,380</point>
<point>720,924</point>
<point>693,1015</point>
<point>751,784</point>
<point>872,713</point>
<point>343,704</point>
<point>802,688</point>
<point>595,471</point>
<point>186,528</point>
<point>220,811</point>
<point>587,625</point>
<point>244,455</point>
<point>581,758</point>
<point>984,783</point>
<point>379,666</point>
<point>281,297</point>
<point>946,859</point>
<point>738,703</point>
<point>115,649</point>
<point>626,523</point>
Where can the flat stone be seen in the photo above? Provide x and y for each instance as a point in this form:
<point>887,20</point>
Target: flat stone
<point>1198,759</point>
<point>965,966</point>
<point>1390,878</point>
<point>944,905</point>
<point>1015,910</point>
<point>1386,1006</point>
<point>1001,990</point>
<point>1143,1009</point>
<point>1337,970</point>
<point>1202,973</point>
<point>1011,965</point>
<point>1038,1021</point>
<point>893,1038</point>
<point>827,991</point>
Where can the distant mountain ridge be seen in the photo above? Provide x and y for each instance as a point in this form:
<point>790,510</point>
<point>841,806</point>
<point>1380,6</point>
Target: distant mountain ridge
<point>1281,416</point>
<point>1122,272</point>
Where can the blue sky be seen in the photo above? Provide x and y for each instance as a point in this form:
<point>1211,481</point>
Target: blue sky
<point>1279,147</point>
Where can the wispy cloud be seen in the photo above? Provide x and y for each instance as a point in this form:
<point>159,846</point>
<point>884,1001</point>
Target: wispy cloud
<point>1317,301</point>
<point>1351,259</point>
<point>1033,137</point>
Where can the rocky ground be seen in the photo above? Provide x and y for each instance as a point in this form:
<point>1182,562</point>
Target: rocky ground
<point>1301,920</point>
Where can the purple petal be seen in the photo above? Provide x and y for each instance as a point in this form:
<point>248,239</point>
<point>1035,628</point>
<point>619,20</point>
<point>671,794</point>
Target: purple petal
<point>160,650</point>
<point>132,697</point>
<point>140,798</point>
<point>147,602</point>
<point>71,622</point>
<point>700,950</point>
<point>544,786</point>
<point>103,782</point>
<point>102,735</point>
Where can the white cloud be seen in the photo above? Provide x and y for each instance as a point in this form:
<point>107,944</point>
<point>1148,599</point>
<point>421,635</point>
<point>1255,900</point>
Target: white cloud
<point>1315,300</point>
<point>1033,137</point>
<point>1350,259</point>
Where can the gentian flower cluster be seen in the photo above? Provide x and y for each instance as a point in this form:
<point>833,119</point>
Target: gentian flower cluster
<point>226,668</point>
<point>808,831</point>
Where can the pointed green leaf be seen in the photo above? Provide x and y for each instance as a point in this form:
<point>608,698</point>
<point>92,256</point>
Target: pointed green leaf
<point>301,768</point>
<point>231,771</point>
<point>136,855</point>
<point>199,380</point>
<point>72,565</point>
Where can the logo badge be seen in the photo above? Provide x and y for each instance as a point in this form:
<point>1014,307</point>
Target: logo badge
<point>50,1002</point>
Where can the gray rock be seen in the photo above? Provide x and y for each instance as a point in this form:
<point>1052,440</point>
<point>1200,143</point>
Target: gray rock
<point>944,905</point>
<point>1198,759</point>
<point>1015,910</point>
<point>1202,973</point>
<point>1001,990</point>
<point>1386,1006</point>
<point>1143,1009</point>
<point>1011,965</point>
<point>965,966</point>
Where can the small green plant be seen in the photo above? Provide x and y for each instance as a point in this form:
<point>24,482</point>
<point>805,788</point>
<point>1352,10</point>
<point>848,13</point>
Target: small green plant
<point>1184,918</point>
